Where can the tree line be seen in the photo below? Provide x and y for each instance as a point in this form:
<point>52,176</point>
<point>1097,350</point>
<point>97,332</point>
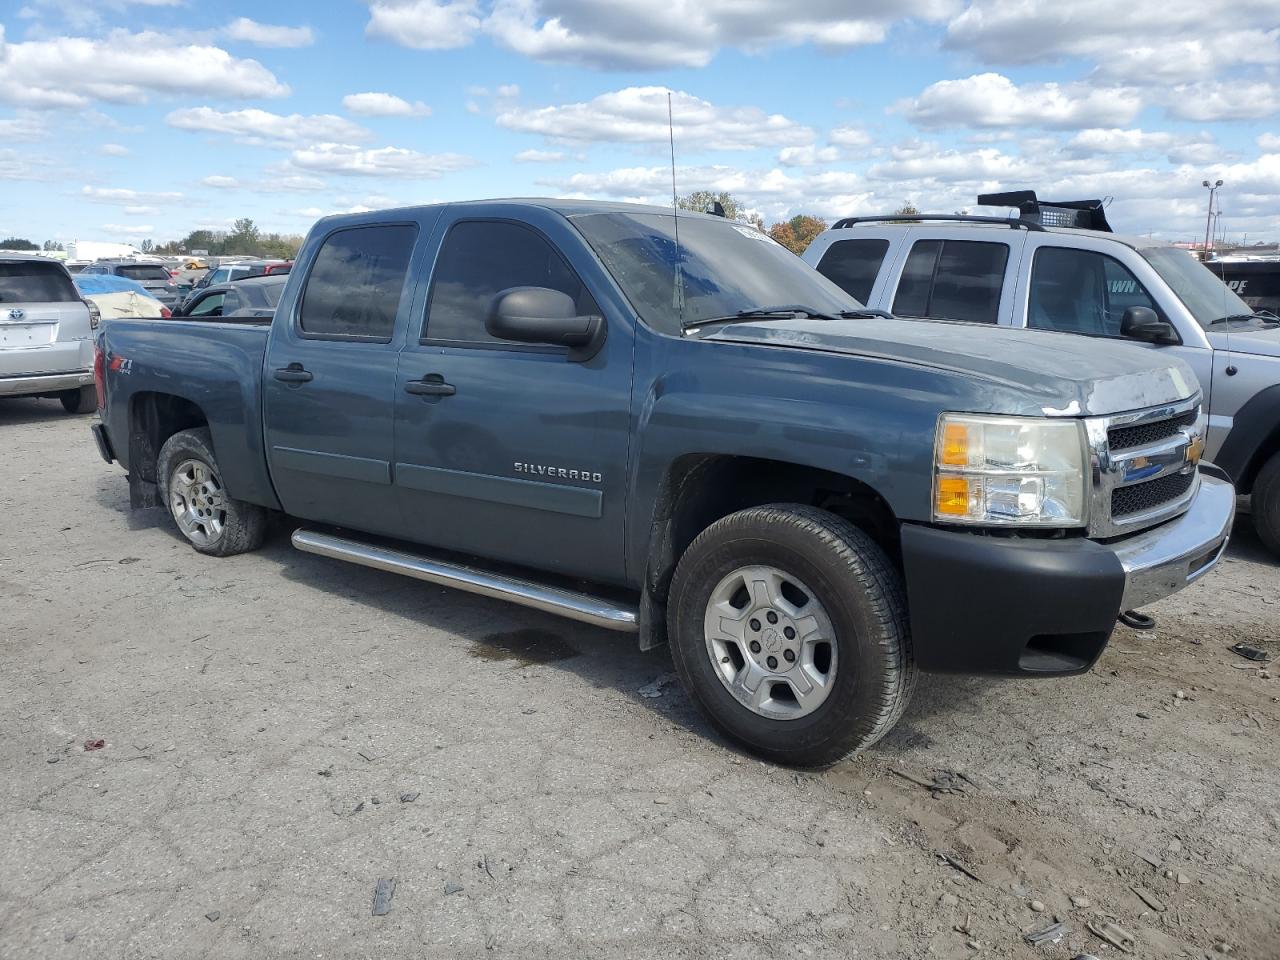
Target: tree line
<point>795,234</point>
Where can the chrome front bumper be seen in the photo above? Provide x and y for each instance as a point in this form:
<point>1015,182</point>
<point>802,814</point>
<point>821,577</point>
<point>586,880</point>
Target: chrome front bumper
<point>36,384</point>
<point>1164,559</point>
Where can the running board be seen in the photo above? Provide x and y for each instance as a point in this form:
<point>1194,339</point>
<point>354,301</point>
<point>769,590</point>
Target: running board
<point>566,603</point>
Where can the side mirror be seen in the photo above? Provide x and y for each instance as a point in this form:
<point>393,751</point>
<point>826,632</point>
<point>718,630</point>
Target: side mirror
<point>1142,323</point>
<point>542,315</point>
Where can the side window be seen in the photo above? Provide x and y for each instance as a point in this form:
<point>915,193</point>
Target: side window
<point>1080,291</point>
<point>481,258</point>
<point>853,265</point>
<point>210,306</point>
<point>353,290</point>
<point>952,280</point>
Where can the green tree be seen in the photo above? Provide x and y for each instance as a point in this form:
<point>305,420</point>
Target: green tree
<point>703,200</point>
<point>53,245</point>
<point>147,246</point>
<point>17,243</point>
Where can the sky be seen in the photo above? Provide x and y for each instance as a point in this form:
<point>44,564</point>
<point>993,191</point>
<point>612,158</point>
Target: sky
<point>132,119</point>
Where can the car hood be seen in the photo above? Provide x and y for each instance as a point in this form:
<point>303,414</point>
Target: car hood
<point>1056,374</point>
<point>1263,343</point>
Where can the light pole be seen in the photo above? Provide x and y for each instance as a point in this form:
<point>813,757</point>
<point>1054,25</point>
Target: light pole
<point>1208,220</point>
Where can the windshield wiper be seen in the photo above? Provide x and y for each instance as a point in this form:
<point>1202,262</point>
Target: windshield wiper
<point>1267,318</point>
<point>865,312</point>
<point>786,311</point>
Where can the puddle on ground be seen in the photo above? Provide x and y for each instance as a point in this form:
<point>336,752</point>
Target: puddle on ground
<point>525,646</point>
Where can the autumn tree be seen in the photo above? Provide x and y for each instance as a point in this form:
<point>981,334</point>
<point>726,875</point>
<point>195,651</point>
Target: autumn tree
<point>797,233</point>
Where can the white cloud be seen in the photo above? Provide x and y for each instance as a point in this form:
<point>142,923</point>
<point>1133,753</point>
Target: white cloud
<point>1117,140</point>
<point>539,156</point>
<point>114,150</point>
<point>1141,42</point>
<point>1219,100</point>
<point>268,35</point>
<point>261,127</point>
<point>850,137</point>
<point>807,156</point>
<point>424,24</point>
<point>124,67</point>
<point>993,100</point>
<point>24,126</point>
<point>390,162</point>
<point>128,229</point>
<point>220,182</point>
<point>1269,142</point>
<point>639,115</point>
<point>141,210</point>
<point>123,197</point>
<point>383,105</point>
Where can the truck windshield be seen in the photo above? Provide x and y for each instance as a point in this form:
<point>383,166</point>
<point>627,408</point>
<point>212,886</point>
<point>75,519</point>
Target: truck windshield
<point>1198,287</point>
<point>722,268</point>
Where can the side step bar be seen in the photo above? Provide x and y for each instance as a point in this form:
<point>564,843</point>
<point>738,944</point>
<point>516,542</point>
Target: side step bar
<point>566,603</point>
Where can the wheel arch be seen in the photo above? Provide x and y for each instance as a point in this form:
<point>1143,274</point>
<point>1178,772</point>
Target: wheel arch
<point>1253,440</point>
<point>154,417</point>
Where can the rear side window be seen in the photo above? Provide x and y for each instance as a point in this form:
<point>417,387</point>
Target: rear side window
<point>354,288</point>
<point>1080,291</point>
<point>853,265</point>
<point>210,306</point>
<point>952,280</point>
<point>143,271</point>
<point>481,258</point>
<point>30,282</point>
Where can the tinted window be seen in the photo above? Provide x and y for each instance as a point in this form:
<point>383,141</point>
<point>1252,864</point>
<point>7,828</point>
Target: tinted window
<point>210,306</point>
<point>1079,291</point>
<point>35,283</point>
<point>952,280</point>
<point>480,259</point>
<point>355,284</point>
<point>853,265</point>
<point>143,271</point>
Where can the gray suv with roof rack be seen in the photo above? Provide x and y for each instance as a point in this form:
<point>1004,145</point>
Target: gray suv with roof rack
<point>1057,266</point>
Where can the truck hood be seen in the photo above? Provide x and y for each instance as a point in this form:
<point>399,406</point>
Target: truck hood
<point>1262,343</point>
<point>1050,374</point>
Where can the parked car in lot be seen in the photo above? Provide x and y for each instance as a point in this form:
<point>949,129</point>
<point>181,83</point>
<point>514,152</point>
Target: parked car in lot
<point>1119,290</point>
<point>250,298</point>
<point>226,272</point>
<point>702,441</point>
<point>119,297</point>
<point>155,277</point>
<point>46,333</point>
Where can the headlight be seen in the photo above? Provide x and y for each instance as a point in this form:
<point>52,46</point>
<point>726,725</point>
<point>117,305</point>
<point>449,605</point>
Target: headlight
<point>1009,470</point>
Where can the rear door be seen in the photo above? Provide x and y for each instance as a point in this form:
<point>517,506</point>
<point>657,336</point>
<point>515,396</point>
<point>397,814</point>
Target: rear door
<point>520,454</point>
<point>330,377</point>
<point>971,277</point>
<point>856,262</point>
<point>44,324</point>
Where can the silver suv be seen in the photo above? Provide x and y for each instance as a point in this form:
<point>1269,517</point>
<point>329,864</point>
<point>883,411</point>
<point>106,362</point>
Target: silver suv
<point>1024,272</point>
<point>46,334</point>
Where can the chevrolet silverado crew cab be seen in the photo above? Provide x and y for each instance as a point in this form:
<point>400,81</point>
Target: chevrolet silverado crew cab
<point>46,333</point>
<point>1033,271</point>
<point>677,428</point>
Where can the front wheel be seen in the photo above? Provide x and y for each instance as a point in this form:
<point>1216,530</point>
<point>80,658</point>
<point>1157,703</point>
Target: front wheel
<point>1264,504</point>
<point>191,487</point>
<point>789,630</point>
<point>79,400</point>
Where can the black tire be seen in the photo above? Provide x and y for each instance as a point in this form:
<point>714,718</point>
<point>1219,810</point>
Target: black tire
<point>1264,504</point>
<point>245,524</point>
<point>80,400</point>
<point>864,598</point>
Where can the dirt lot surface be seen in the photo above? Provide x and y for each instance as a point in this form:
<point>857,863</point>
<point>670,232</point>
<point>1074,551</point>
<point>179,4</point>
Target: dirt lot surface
<point>282,731</point>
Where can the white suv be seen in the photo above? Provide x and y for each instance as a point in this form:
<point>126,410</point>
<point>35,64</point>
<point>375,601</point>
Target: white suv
<point>46,334</point>
<point>1024,272</point>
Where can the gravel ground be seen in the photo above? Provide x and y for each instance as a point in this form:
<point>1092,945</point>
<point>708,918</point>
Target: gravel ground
<point>282,731</point>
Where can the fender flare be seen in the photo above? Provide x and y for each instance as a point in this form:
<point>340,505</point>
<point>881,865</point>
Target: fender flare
<point>1255,433</point>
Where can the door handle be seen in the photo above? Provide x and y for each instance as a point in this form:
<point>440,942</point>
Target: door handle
<point>293,373</point>
<point>432,385</point>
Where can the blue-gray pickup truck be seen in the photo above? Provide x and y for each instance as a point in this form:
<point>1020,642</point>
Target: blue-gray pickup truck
<point>677,428</point>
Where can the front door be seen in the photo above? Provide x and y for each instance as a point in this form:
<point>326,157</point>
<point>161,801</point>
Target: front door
<point>330,379</point>
<point>512,451</point>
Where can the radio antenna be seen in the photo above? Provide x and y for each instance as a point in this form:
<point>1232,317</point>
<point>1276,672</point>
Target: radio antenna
<point>677,292</point>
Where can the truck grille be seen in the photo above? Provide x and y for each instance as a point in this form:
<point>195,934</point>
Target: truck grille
<point>1145,466</point>
<point>1142,497</point>
<point>1126,438</point>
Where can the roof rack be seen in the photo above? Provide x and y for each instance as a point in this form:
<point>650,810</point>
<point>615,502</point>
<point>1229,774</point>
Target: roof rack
<point>1082,214</point>
<point>1011,222</point>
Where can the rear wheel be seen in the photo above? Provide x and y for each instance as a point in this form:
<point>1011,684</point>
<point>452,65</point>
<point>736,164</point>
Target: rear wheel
<point>191,487</point>
<point>80,400</point>
<point>1264,504</point>
<point>789,631</point>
